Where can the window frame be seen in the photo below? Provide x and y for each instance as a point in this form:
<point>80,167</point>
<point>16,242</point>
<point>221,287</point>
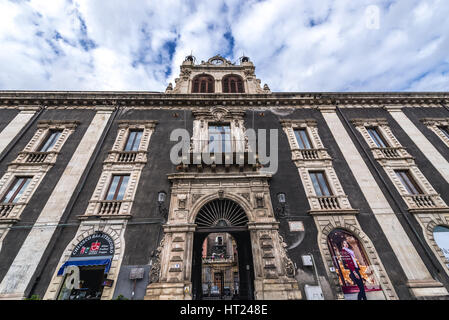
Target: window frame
<point>226,145</point>
<point>444,130</point>
<point>326,183</point>
<point>300,137</point>
<point>52,138</point>
<point>377,137</point>
<point>133,145</point>
<point>411,181</point>
<point>207,80</point>
<point>236,86</point>
<point>117,188</point>
<point>19,191</point>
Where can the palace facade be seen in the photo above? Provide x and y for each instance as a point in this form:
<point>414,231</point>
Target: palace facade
<point>219,188</point>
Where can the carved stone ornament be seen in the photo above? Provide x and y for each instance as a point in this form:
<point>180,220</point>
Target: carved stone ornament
<point>156,267</point>
<point>195,197</point>
<point>182,201</point>
<point>288,264</point>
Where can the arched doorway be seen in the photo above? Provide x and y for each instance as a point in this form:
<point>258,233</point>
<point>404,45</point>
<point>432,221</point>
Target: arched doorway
<point>222,262</point>
<point>355,273</point>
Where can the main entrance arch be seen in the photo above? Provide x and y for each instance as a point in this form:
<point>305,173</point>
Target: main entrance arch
<point>222,262</point>
<point>238,205</point>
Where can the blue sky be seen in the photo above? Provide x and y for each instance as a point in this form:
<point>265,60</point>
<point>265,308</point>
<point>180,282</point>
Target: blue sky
<point>327,45</point>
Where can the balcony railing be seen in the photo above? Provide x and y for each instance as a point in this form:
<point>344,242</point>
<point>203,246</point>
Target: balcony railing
<point>5,209</point>
<point>123,157</point>
<point>422,201</point>
<point>310,154</point>
<point>109,207</point>
<point>391,153</point>
<point>217,259</point>
<point>127,156</point>
<point>329,202</point>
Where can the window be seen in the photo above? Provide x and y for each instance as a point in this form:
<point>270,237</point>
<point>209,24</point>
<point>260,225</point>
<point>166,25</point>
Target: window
<point>408,181</point>
<point>303,139</point>
<point>441,236</point>
<point>203,84</point>
<point>377,137</point>
<point>219,138</point>
<point>233,84</point>
<point>445,131</point>
<point>133,142</point>
<point>320,183</point>
<point>117,188</point>
<point>16,190</point>
<point>50,141</point>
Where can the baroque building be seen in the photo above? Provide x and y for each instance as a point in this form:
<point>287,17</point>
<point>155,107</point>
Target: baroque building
<point>219,188</point>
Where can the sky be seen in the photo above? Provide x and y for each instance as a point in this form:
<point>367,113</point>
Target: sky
<point>296,46</point>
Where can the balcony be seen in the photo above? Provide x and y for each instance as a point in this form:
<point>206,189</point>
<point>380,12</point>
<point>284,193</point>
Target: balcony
<point>10,212</point>
<point>35,157</point>
<point>310,154</point>
<point>204,156</point>
<point>5,209</point>
<point>126,157</point>
<point>391,153</point>
<point>217,259</point>
<point>330,205</point>
<point>108,209</point>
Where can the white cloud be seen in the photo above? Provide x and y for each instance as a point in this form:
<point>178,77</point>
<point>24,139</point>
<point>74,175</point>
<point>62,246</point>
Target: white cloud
<point>296,46</point>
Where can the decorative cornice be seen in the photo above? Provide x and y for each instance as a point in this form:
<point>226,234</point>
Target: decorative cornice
<point>369,121</point>
<point>435,121</point>
<point>26,100</point>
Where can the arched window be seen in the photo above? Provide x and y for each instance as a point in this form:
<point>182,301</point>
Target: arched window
<point>203,84</point>
<point>233,84</point>
<point>351,264</point>
<point>441,236</point>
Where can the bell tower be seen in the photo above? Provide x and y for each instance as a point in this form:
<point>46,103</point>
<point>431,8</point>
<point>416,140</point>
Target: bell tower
<point>217,75</point>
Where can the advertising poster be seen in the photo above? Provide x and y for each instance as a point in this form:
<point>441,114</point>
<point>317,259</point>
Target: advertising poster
<point>355,273</point>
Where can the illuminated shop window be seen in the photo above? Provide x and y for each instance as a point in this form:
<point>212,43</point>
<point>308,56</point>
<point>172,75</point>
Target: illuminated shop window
<point>355,274</point>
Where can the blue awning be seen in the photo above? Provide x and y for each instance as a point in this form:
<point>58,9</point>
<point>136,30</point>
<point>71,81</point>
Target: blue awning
<point>92,262</point>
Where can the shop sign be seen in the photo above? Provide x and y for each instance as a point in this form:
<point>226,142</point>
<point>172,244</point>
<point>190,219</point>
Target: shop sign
<point>99,244</point>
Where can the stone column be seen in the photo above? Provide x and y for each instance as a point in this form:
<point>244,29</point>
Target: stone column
<point>174,280</point>
<point>273,270</point>
<point>14,127</point>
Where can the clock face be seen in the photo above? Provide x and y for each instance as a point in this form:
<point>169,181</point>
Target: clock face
<point>216,61</point>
